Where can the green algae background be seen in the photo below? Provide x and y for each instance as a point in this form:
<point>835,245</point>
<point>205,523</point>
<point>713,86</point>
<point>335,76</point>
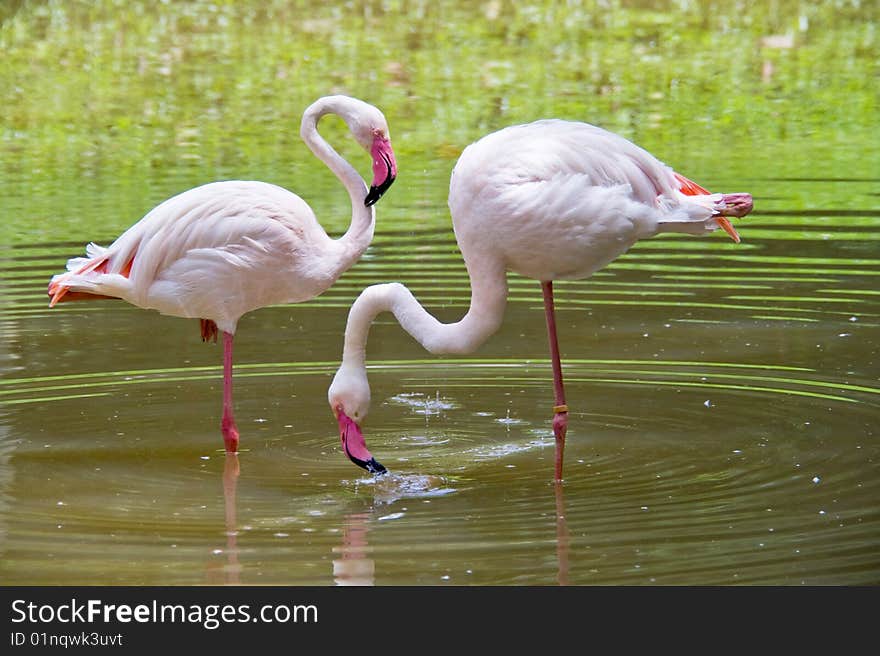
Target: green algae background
<point>129,102</point>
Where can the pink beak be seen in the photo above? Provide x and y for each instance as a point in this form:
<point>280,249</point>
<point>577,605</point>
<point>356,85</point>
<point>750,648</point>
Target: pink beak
<point>354,446</point>
<point>384,169</point>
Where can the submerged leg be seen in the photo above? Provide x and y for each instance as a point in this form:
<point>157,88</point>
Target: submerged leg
<point>227,425</point>
<point>560,410</point>
<point>231,472</point>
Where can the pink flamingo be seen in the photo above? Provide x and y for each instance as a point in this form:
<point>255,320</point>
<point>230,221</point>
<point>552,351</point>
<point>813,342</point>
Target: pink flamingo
<point>550,200</point>
<point>223,249</point>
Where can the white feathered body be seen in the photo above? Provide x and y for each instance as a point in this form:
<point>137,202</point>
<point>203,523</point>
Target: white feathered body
<point>216,252</point>
<point>559,199</point>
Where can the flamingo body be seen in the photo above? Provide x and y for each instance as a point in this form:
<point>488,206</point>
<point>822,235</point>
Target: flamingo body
<point>217,252</point>
<point>559,200</point>
<point>549,200</point>
<point>225,248</point>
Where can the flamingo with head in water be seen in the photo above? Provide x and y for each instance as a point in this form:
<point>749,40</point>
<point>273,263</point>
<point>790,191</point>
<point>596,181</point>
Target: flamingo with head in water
<point>223,249</point>
<point>550,200</point>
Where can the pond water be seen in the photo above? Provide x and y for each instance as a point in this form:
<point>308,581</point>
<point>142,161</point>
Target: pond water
<point>724,398</point>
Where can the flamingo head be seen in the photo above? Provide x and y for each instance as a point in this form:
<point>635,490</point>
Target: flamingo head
<point>349,397</point>
<point>369,127</point>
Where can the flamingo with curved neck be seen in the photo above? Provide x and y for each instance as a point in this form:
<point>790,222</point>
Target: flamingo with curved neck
<point>225,248</point>
<point>550,200</point>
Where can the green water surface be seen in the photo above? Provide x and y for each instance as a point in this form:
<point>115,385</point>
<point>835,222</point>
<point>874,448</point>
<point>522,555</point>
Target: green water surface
<point>724,397</point>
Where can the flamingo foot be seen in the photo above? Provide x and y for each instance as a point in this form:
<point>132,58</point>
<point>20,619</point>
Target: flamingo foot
<point>560,427</point>
<point>230,435</point>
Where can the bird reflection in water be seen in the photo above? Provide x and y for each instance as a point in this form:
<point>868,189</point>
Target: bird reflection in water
<point>230,572</point>
<point>352,562</point>
<point>562,539</point>
<point>353,565</point>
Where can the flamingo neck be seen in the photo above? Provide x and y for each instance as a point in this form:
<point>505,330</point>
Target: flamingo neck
<point>483,318</point>
<point>360,231</point>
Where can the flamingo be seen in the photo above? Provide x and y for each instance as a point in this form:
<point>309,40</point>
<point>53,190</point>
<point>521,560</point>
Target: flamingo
<point>222,249</point>
<point>549,200</point>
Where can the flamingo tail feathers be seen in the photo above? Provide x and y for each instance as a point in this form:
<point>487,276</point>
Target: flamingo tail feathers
<point>63,287</point>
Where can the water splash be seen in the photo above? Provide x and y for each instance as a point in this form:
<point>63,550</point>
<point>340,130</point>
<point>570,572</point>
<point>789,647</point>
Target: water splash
<point>395,486</point>
<point>422,404</point>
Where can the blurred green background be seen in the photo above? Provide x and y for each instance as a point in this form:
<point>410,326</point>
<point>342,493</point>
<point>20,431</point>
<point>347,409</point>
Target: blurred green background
<point>123,103</point>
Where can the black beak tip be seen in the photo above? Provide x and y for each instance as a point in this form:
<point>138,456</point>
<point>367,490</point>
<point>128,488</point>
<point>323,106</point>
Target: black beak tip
<point>372,465</point>
<point>372,197</point>
<point>376,467</point>
<point>376,192</point>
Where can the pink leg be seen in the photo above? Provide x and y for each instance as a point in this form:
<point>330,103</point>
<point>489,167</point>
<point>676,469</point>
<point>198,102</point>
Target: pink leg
<point>560,418</point>
<point>230,431</point>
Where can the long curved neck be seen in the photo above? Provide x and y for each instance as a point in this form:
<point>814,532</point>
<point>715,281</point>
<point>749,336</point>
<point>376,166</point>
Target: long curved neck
<point>360,232</point>
<point>483,318</point>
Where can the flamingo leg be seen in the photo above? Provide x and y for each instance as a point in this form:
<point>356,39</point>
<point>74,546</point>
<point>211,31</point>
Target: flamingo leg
<point>560,418</point>
<point>227,425</point>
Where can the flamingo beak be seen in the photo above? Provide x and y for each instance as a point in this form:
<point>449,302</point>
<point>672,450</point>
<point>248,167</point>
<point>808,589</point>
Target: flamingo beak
<point>727,226</point>
<point>354,446</point>
<point>384,169</point>
<point>735,205</point>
